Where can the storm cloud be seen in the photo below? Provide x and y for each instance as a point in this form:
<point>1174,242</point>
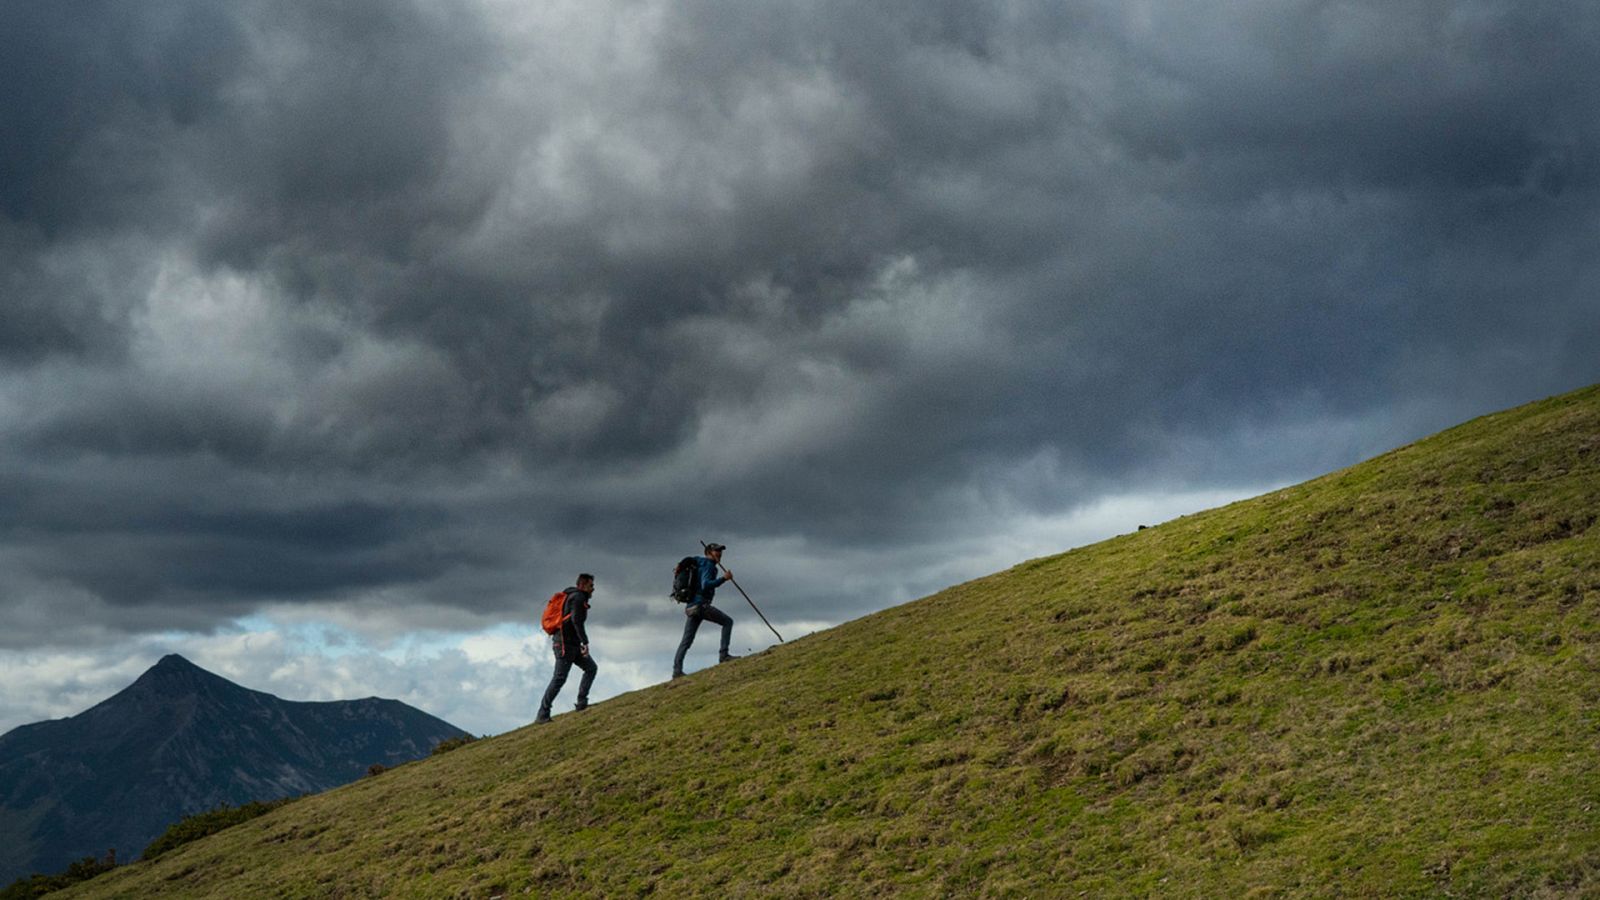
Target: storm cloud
<point>407,312</point>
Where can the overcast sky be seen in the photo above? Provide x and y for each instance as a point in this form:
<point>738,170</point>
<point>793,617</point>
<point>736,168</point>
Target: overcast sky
<point>337,336</point>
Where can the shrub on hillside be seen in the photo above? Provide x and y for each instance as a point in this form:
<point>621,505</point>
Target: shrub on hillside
<point>39,885</point>
<point>200,825</point>
<point>452,744</point>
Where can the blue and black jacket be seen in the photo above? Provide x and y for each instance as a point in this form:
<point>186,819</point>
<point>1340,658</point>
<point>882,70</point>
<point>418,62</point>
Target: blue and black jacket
<point>710,579</point>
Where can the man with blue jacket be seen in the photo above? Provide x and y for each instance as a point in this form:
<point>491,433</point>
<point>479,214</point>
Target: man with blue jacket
<point>699,607</point>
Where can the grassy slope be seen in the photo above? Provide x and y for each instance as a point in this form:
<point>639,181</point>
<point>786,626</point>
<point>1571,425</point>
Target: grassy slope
<point>1386,680</point>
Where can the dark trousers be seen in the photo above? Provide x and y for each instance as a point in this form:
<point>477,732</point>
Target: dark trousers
<point>692,624</point>
<point>559,678</point>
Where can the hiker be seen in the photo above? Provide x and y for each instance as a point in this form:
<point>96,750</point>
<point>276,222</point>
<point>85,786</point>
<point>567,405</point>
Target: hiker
<point>699,607</point>
<point>571,645</point>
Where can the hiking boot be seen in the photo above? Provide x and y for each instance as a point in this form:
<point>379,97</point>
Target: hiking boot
<point>542,720</point>
<point>724,657</point>
<point>581,705</point>
<point>677,674</point>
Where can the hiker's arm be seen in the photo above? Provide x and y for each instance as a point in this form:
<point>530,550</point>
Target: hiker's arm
<point>579,616</point>
<point>708,573</point>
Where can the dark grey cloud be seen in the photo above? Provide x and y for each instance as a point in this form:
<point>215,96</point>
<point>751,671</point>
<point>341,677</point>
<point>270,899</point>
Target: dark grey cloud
<point>93,92</point>
<point>410,306</point>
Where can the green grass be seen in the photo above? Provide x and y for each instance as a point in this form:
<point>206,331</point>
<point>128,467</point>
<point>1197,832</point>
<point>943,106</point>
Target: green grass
<point>1385,682</point>
<point>193,828</point>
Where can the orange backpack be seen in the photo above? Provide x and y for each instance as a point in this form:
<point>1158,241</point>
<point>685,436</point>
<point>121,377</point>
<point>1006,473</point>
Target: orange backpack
<point>554,613</point>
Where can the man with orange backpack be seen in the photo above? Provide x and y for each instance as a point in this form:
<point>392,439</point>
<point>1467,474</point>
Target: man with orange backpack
<point>563,620</point>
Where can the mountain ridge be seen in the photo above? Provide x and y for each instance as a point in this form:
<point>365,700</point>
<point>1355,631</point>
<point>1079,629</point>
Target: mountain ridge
<point>1378,682</point>
<point>177,741</point>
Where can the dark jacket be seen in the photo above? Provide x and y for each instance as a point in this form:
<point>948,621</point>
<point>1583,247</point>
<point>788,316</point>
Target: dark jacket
<point>569,641</point>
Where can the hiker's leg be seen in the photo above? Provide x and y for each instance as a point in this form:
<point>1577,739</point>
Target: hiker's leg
<point>587,664</point>
<point>557,679</point>
<point>712,614</point>
<point>691,624</point>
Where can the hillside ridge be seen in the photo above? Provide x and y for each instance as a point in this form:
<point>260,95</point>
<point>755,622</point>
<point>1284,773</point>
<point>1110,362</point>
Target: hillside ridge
<point>1380,681</point>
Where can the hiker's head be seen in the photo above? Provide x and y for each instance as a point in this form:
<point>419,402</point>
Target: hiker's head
<point>715,551</point>
<point>586,582</point>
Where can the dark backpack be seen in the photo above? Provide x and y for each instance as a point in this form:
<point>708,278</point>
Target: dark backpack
<point>686,580</point>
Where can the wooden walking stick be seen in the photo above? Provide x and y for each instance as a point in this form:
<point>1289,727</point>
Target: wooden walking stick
<point>746,596</point>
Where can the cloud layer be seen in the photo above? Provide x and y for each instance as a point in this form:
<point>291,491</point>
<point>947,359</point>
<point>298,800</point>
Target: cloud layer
<point>407,312</point>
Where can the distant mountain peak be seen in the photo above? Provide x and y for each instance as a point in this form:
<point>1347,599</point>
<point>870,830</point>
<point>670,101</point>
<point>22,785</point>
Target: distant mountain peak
<point>173,675</point>
<point>178,741</point>
<point>172,662</point>
<point>174,666</point>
